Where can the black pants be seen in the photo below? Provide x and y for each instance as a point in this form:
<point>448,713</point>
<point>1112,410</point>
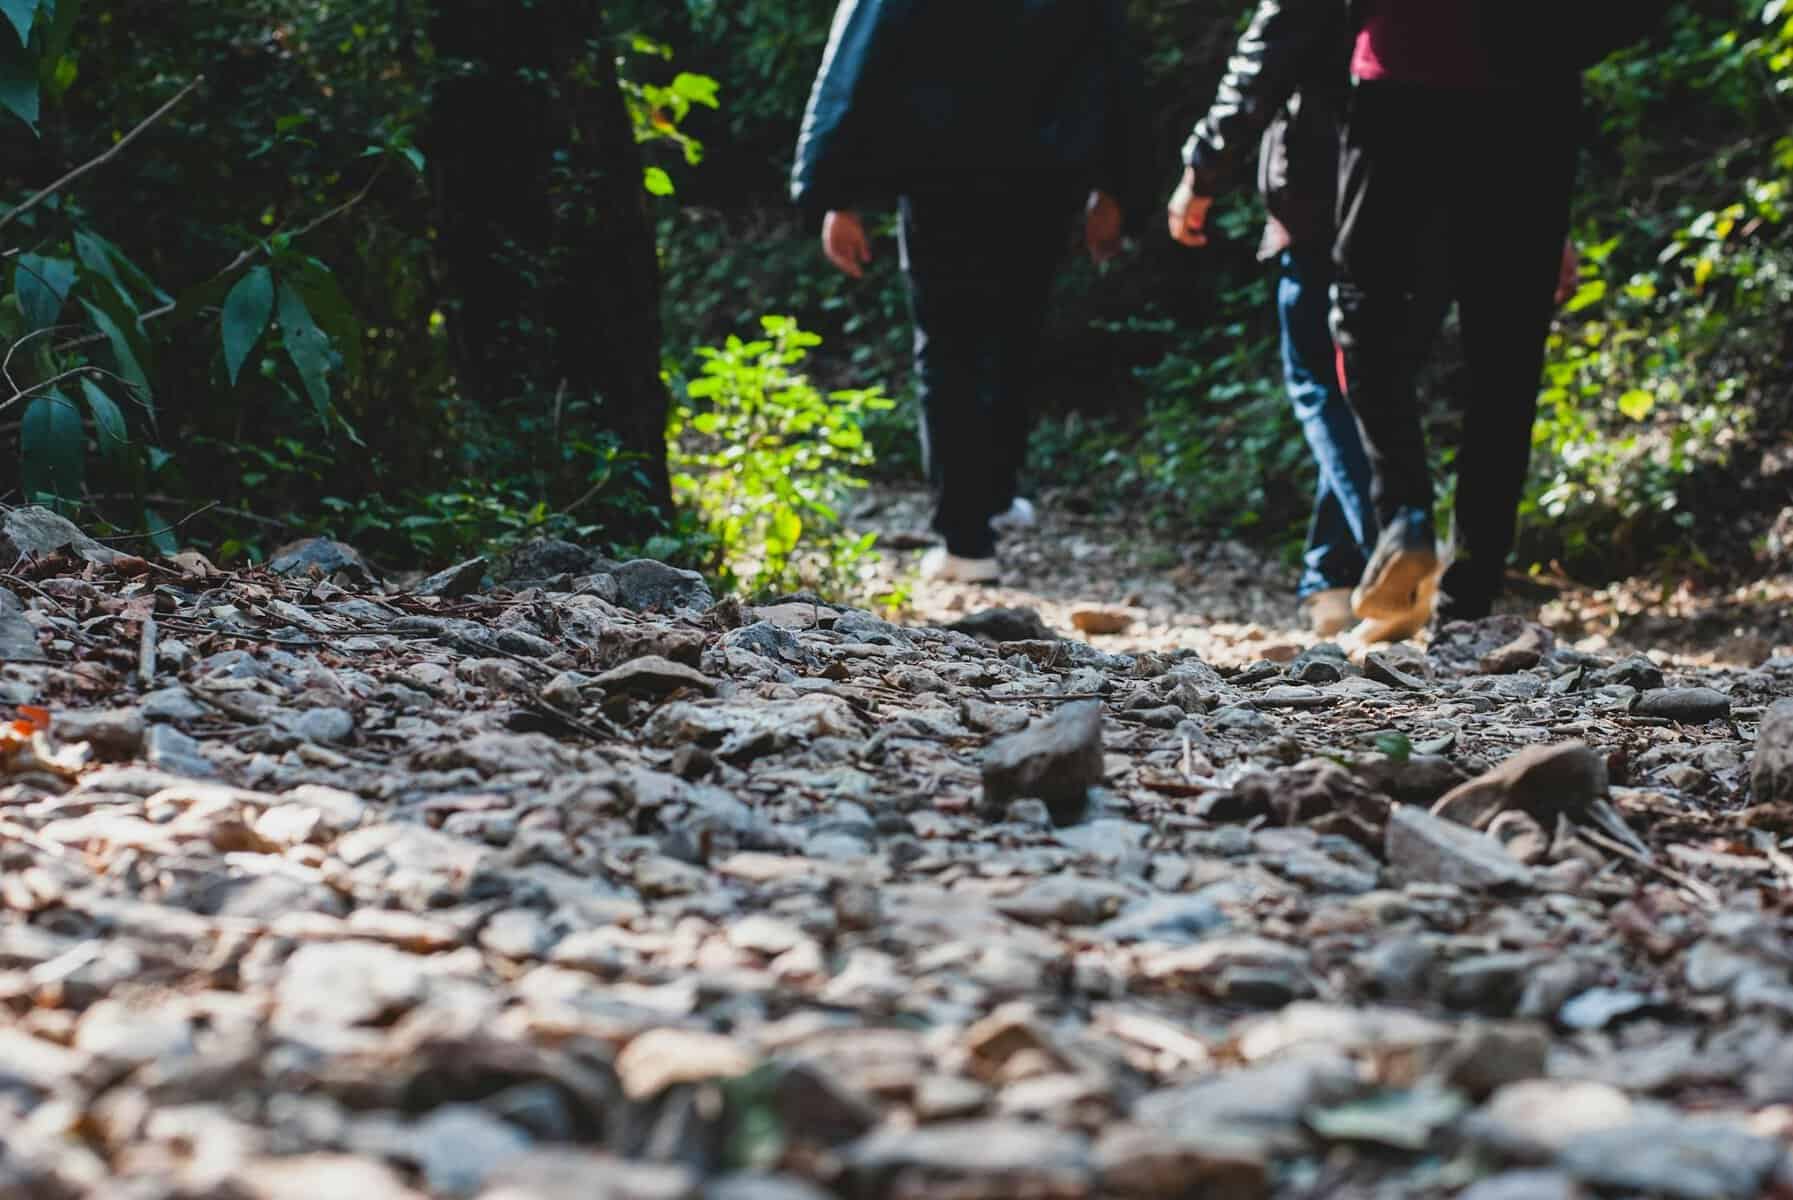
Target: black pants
<point>979,261</point>
<point>1483,177</point>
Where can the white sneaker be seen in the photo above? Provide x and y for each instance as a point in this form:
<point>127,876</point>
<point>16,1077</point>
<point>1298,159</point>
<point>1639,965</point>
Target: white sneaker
<point>941,566</point>
<point>1020,514</point>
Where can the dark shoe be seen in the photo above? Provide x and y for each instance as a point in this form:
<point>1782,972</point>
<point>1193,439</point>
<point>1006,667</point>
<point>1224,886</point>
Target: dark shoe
<point>1465,593</point>
<point>1405,563</point>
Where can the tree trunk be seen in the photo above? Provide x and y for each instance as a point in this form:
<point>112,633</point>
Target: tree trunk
<point>543,236</point>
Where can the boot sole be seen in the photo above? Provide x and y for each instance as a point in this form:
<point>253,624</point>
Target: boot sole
<point>1394,593</point>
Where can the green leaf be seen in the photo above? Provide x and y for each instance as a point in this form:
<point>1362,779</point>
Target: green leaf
<point>1587,295</point>
<point>42,285</point>
<point>1395,745</point>
<point>1637,404</point>
<point>104,259</point>
<point>128,348</point>
<point>57,36</point>
<point>657,181</point>
<point>699,89</point>
<point>247,310</point>
<point>18,82</point>
<point>108,422</point>
<point>52,447</point>
<point>324,297</point>
<point>21,13</point>
<point>160,533</point>
<point>308,347</point>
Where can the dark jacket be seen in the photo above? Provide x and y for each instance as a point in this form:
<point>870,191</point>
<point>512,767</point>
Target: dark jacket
<point>1288,80</point>
<point>920,93</point>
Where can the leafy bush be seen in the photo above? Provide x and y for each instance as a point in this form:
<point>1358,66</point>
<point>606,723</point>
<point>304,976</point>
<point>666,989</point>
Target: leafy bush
<point>766,461</point>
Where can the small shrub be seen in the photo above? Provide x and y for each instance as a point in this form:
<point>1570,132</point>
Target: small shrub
<point>766,461</point>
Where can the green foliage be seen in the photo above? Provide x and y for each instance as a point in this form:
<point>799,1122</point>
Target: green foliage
<point>658,111</point>
<point>766,461</point>
<point>1657,371</point>
<point>1217,449</point>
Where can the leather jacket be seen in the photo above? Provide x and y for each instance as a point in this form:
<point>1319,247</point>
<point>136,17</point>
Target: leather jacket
<point>1290,46</point>
<point>918,94</point>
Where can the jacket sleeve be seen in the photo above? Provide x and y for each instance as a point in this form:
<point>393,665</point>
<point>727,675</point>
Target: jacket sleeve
<point>821,177</point>
<point>1272,60</point>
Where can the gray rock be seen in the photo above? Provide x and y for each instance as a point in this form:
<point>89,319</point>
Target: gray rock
<point>1771,768</point>
<point>1057,760</point>
<point>462,579</point>
<point>324,726</point>
<point>763,1187</point>
<point>651,675</point>
<point>998,1158</point>
<point>1067,899</point>
<point>769,641</point>
<point>459,1146</point>
<point>33,532</point>
<point>324,555</point>
<point>1266,1102</point>
<point>114,733</point>
<point>1173,920</point>
<point>18,637</point>
<point>1689,1159</point>
<point>549,558</point>
<point>1422,848</point>
<point>1687,706</point>
<point>1490,983</point>
<point>645,585</point>
<point>168,749</point>
<point>1005,625</point>
<point>579,1175</point>
<point>1526,1185</point>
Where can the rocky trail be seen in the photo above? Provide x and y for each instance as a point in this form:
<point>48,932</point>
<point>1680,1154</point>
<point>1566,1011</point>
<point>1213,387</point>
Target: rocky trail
<point>586,886</point>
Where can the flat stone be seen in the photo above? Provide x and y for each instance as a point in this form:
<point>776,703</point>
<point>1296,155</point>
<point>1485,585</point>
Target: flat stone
<point>576,1175</point>
<point>1526,1185</point>
<point>313,1176</point>
<point>651,675</point>
<point>1058,760</point>
<point>1000,1158</point>
<point>1521,654</point>
<point>1422,848</point>
<point>1687,1159</point>
<point>660,1058</point>
<point>763,1187</point>
<point>1533,1120</point>
<point>114,733</point>
<point>1687,706</point>
<point>1099,622</point>
<point>1544,781</point>
<point>34,532</point>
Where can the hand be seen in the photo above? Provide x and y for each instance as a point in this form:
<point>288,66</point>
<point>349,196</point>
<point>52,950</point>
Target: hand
<point>1189,212</point>
<point>845,243</point>
<point>1103,225</point>
<point>1568,278</point>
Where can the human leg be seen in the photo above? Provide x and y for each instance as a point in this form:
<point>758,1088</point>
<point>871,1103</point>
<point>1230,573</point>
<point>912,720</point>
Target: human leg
<point>1344,521</point>
<point>1508,243</point>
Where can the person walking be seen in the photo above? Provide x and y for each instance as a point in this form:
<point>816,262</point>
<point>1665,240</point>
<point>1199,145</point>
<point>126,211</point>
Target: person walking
<point>1288,81</point>
<point>990,127</point>
<point>1446,96</point>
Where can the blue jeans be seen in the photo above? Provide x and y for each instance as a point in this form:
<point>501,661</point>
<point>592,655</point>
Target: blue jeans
<point>1344,529</point>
